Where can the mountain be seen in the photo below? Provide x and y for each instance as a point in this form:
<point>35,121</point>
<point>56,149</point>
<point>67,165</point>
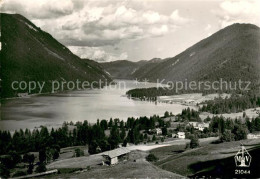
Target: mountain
<point>124,69</point>
<point>30,54</point>
<point>146,68</point>
<point>232,53</point>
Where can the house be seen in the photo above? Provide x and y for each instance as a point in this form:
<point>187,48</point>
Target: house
<point>158,131</point>
<point>199,125</point>
<point>202,126</point>
<point>253,136</point>
<point>114,156</point>
<point>21,95</point>
<point>181,135</point>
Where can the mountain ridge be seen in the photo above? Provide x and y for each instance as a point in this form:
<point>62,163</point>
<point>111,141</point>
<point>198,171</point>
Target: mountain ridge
<point>226,50</point>
<point>30,54</point>
<point>230,54</point>
<point>125,69</point>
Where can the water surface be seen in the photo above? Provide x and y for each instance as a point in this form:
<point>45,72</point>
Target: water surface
<point>52,110</point>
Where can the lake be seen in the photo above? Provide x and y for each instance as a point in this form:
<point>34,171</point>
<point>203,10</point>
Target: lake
<point>53,109</point>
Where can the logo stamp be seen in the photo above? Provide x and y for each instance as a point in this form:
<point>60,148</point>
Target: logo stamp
<point>242,159</point>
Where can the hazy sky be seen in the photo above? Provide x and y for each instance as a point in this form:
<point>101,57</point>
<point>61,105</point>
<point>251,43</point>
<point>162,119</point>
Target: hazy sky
<point>106,30</point>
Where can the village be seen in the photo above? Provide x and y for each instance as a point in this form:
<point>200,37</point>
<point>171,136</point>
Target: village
<point>135,137</point>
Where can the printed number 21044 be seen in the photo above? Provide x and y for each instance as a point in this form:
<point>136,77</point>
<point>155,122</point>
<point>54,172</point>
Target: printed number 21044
<point>242,172</point>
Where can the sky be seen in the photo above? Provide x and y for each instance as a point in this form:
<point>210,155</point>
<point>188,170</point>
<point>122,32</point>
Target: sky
<point>109,30</point>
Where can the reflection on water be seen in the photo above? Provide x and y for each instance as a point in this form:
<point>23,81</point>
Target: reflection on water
<point>53,110</point>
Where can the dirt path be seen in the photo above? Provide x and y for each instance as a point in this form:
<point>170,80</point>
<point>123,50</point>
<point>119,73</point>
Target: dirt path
<point>147,147</point>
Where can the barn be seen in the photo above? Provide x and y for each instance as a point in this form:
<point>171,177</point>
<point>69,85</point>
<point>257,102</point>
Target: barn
<point>114,156</point>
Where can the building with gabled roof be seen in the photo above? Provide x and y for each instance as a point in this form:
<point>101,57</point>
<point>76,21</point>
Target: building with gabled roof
<point>199,125</point>
<point>181,135</point>
<point>113,156</point>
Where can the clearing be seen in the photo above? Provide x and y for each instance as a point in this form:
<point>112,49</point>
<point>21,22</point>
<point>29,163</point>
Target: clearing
<point>136,167</point>
<point>191,99</point>
<point>177,159</point>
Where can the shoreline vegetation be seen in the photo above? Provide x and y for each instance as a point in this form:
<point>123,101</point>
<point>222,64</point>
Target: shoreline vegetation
<point>214,103</point>
<point>104,135</point>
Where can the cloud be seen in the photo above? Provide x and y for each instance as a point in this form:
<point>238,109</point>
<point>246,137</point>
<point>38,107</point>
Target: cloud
<point>238,11</point>
<point>208,27</point>
<point>97,54</point>
<point>177,19</point>
<point>96,23</point>
<point>158,31</point>
<point>40,9</point>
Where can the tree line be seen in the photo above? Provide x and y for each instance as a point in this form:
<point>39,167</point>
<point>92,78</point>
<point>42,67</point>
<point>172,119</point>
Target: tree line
<point>107,135</point>
<point>234,104</point>
<point>24,141</point>
<point>16,147</point>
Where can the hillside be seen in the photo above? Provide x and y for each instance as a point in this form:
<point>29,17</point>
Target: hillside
<point>124,69</point>
<point>232,53</point>
<point>30,54</point>
<point>130,167</point>
<point>214,160</point>
<point>146,68</point>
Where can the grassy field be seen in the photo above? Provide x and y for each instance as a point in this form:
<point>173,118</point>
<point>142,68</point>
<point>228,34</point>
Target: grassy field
<point>190,99</point>
<point>175,159</point>
<point>77,162</point>
<point>69,152</point>
<point>68,160</point>
<point>174,150</point>
<point>251,113</point>
<point>135,167</point>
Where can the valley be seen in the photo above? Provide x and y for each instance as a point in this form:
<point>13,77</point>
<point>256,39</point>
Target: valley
<point>158,131</point>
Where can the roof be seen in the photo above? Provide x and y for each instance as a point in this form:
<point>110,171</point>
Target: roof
<point>181,133</point>
<point>116,152</point>
<point>255,133</point>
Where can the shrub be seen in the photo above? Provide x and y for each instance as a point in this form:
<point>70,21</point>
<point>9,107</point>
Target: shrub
<point>41,168</point>
<point>56,154</point>
<point>227,136</point>
<point>187,146</point>
<point>4,172</point>
<point>162,139</point>
<point>151,158</point>
<point>194,142</point>
<point>78,152</point>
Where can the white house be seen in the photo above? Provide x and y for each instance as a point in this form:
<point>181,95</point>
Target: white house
<point>253,136</point>
<point>181,135</point>
<point>199,125</point>
<point>202,126</point>
<point>21,95</point>
<point>158,131</point>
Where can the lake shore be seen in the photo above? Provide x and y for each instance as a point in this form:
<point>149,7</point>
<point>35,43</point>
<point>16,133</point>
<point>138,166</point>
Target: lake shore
<point>54,110</point>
